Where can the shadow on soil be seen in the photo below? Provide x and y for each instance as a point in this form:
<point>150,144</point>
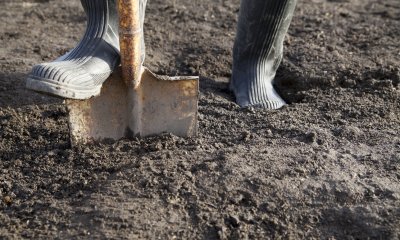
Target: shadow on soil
<point>14,94</point>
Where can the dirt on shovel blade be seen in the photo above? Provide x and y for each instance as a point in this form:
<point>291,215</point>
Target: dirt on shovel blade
<point>325,166</point>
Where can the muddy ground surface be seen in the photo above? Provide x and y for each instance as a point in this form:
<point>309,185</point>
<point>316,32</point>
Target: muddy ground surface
<point>325,166</point>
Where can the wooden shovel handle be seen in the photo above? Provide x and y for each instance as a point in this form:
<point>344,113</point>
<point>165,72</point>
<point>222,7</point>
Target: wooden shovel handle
<point>130,34</point>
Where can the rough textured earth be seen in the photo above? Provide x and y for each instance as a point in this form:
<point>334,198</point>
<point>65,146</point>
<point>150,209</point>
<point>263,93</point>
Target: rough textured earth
<point>325,166</point>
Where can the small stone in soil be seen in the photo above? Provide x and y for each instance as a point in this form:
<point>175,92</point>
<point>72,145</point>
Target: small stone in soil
<point>7,200</point>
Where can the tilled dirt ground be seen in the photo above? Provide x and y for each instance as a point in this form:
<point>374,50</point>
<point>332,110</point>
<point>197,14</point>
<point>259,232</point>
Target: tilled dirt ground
<point>325,166</point>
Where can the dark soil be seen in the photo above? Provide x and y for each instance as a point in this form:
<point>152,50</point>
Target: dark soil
<point>326,166</point>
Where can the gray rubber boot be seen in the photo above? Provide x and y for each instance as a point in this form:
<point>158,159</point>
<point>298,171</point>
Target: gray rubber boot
<point>80,73</point>
<point>258,51</point>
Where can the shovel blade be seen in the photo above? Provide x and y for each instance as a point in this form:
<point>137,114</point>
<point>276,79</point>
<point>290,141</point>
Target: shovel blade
<point>160,104</point>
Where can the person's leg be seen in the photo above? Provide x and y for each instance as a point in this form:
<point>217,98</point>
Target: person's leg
<point>80,73</point>
<point>258,51</point>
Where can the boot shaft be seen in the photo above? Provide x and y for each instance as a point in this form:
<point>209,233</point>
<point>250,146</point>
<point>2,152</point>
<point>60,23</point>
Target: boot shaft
<point>258,51</point>
<point>102,16</point>
<point>261,28</point>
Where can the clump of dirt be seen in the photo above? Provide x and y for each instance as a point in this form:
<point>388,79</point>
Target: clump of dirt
<point>325,166</point>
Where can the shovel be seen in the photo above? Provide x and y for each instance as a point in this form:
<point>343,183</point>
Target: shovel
<point>134,101</point>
